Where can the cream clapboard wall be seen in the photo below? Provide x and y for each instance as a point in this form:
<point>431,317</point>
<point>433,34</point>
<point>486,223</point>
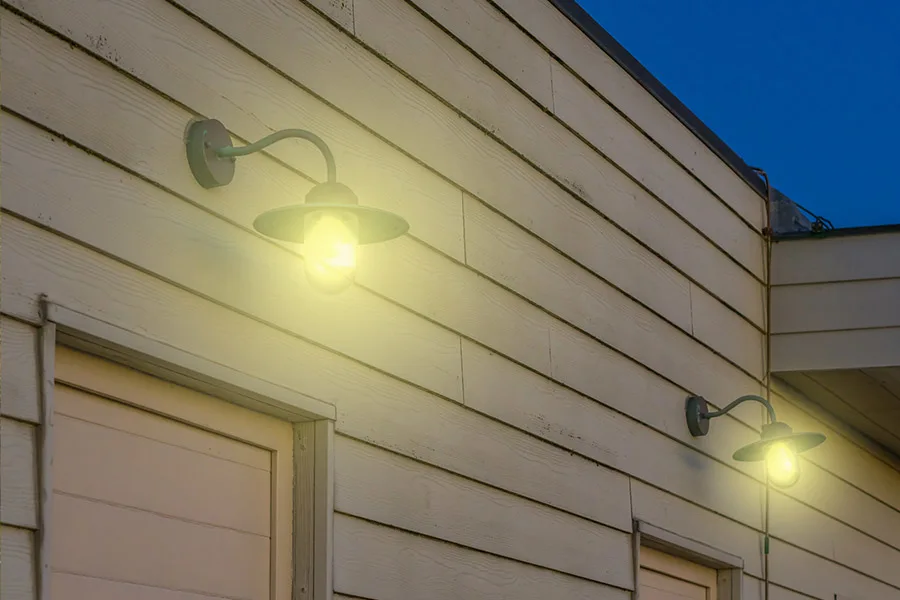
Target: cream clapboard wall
<point>509,378</point>
<point>19,418</point>
<point>836,302</point>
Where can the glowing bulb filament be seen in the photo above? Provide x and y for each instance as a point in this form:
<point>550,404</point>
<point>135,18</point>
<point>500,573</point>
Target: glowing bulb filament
<point>782,465</point>
<point>329,246</point>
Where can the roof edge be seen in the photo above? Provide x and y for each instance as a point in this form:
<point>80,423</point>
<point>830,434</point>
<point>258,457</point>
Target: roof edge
<point>639,72</point>
<point>839,232</point>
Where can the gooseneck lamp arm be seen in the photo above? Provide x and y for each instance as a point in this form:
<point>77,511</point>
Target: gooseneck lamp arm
<point>234,151</point>
<point>211,154</point>
<point>741,400</point>
<point>698,413</point>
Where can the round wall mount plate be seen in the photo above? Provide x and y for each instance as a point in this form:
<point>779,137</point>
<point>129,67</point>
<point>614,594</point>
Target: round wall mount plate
<point>695,409</point>
<point>203,138</point>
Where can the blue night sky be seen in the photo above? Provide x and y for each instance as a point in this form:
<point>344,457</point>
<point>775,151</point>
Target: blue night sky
<point>807,89</point>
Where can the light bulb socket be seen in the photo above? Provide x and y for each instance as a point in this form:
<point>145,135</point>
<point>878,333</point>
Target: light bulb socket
<point>332,193</point>
<point>775,429</point>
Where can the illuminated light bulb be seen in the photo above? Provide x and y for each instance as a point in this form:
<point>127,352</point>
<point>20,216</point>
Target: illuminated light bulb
<point>782,465</point>
<point>330,239</point>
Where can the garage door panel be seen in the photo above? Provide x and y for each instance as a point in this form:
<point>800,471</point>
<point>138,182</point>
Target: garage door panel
<point>667,577</point>
<point>67,586</point>
<point>76,403</point>
<point>122,468</point>
<point>656,586</point>
<point>139,389</point>
<point>139,547</point>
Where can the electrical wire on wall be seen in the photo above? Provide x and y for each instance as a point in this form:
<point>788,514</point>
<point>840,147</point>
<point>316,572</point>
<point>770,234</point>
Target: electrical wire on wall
<point>767,236</point>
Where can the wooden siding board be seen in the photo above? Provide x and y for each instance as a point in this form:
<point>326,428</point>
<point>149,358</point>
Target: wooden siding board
<point>397,491</point>
<point>845,258</point>
<point>506,253</point>
<point>725,331</point>
<point>19,396</point>
<point>889,378</point>
<point>566,42</point>
<point>498,41</point>
<point>421,49</point>
<point>339,11</point>
<point>17,574</point>
<point>389,564</point>
<point>835,306</point>
<point>371,405</point>
<point>824,350</point>
<point>18,474</point>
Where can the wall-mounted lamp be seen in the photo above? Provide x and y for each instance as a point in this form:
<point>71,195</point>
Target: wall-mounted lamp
<point>778,445</point>
<point>330,224</point>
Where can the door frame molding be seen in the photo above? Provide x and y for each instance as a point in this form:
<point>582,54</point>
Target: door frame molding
<point>93,336</point>
<point>729,568</point>
<point>313,422</point>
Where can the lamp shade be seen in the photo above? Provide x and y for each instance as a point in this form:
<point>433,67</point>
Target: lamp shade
<point>778,433</point>
<point>287,223</point>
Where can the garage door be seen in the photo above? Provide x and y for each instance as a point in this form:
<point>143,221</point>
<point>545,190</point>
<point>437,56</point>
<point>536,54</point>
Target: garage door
<point>163,493</point>
<point>666,577</point>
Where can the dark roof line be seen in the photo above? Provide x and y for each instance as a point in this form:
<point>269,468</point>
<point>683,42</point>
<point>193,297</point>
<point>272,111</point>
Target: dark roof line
<point>614,49</point>
<point>839,232</point>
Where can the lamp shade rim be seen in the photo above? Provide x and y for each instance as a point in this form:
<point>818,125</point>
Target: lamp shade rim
<point>286,223</point>
<point>799,442</point>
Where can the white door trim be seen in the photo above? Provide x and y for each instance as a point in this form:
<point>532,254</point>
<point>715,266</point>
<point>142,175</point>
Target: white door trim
<point>313,420</point>
<point>91,335</point>
<point>729,568</point>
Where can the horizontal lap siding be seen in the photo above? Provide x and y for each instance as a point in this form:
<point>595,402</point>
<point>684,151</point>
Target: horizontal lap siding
<point>17,580</point>
<point>18,474</point>
<point>836,304</point>
<point>19,379</point>
<point>20,408</point>
<point>516,367</point>
<point>839,258</point>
